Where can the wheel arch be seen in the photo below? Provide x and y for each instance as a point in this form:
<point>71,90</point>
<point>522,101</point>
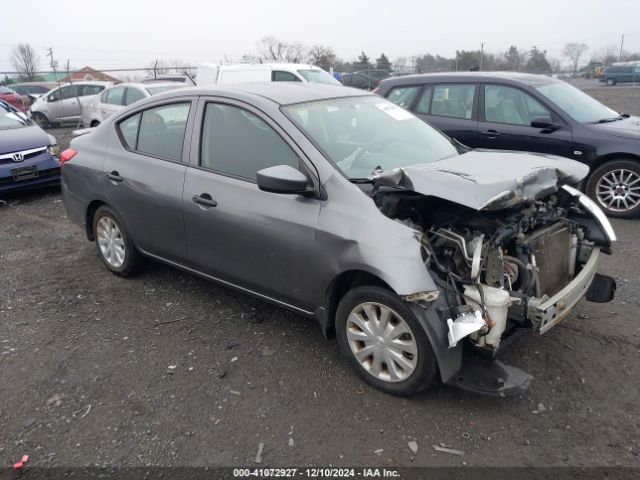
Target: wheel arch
<point>610,157</point>
<point>92,208</point>
<point>338,287</point>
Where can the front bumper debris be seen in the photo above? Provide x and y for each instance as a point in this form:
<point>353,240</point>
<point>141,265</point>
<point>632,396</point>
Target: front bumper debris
<point>552,311</point>
<point>490,377</point>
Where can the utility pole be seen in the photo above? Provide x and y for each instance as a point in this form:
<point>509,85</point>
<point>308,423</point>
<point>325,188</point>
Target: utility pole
<point>621,44</point>
<point>52,63</point>
<point>481,54</point>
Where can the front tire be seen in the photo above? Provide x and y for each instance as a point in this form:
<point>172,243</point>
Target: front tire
<point>384,341</point>
<point>113,244</point>
<point>611,82</point>
<point>615,187</point>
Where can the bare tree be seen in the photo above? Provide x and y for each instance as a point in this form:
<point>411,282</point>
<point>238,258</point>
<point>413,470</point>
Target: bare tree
<point>25,60</point>
<point>157,67</point>
<point>322,56</point>
<point>573,51</point>
<point>607,54</point>
<point>270,49</point>
<point>179,65</point>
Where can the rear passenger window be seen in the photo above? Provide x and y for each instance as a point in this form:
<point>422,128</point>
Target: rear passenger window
<point>133,95</point>
<point>425,101</point>
<point>157,131</point>
<point>403,96</point>
<point>238,143</point>
<point>129,130</point>
<point>453,101</point>
<point>280,76</point>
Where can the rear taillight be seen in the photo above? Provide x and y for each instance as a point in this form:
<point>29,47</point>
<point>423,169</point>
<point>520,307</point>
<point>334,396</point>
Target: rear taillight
<point>67,155</point>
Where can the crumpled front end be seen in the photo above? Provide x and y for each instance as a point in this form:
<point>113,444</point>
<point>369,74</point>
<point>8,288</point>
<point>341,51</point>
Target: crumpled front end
<point>517,267</point>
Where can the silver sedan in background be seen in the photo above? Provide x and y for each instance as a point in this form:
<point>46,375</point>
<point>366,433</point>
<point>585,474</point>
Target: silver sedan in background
<point>114,99</point>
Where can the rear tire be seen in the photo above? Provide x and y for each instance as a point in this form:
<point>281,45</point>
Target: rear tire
<point>95,123</point>
<point>41,120</point>
<point>113,243</point>
<point>384,341</point>
<point>615,187</point>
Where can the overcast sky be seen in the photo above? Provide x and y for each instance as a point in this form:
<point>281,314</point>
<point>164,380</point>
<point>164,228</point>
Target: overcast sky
<point>131,33</point>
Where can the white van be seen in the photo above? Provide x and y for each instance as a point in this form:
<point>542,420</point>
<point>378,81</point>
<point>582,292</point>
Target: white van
<point>210,74</point>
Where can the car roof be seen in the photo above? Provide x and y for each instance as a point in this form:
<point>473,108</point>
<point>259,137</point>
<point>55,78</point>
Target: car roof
<point>149,85</point>
<point>507,77</point>
<point>36,84</point>
<point>282,93</point>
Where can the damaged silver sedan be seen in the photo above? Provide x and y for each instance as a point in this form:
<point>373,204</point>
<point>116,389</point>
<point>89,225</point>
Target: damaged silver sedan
<point>423,258</point>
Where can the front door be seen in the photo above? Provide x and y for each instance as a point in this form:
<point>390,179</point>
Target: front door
<point>236,232</point>
<point>505,123</point>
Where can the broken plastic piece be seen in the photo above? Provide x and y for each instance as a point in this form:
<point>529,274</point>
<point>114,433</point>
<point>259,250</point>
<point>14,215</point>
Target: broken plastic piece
<point>20,464</point>
<point>465,324</point>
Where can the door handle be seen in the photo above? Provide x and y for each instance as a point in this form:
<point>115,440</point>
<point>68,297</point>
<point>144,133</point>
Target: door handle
<point>114,177</point>
<point>204,200</point>
<point>490,133</point>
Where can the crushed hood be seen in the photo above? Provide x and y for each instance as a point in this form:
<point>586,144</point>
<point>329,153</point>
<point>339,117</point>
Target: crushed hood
<point>487,179</point>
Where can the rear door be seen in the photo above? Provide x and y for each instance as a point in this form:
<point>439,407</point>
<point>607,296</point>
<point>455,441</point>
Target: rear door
<point>236,232</point>
<point>505,123</point>
<point>145,167</point>
<point>451,108</point>
<point>111,102</point>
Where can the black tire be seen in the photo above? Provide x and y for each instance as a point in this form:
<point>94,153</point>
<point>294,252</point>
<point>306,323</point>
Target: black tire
<point>41,120</point>
<point>95,123</point>
<point>132,259</point>
<point>425,373</point>
<point>630,166</point>
<point>610,82</point>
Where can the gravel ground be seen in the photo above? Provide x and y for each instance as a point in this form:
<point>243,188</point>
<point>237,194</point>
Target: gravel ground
<point>168,369</point>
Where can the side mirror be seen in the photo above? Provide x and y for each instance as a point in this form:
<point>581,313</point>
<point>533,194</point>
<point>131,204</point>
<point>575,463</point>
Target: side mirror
<point>282,179</point>
<point>543,122</point>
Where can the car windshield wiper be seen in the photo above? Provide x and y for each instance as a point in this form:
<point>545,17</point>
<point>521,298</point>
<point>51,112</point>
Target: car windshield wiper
<point>607,120</point>
<point>360,180</point>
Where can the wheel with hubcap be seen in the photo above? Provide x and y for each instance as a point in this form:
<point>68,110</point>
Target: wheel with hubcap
<point>40,119</point>
<point>384,341</point>
<point>611,82</point>
<point>113,244</point>
<point>615,186</point>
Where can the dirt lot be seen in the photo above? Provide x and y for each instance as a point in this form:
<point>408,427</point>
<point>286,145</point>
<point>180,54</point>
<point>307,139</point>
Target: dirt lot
<point>168,369</point>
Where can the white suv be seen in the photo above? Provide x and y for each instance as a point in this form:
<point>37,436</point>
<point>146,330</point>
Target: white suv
<point>64,104</point>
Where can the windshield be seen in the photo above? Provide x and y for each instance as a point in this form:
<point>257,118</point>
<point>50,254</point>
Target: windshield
<point>577,104</point>
<point>318,76</point>
<point>363,135</point>
<point>9,118</point>
<point>164,88</point>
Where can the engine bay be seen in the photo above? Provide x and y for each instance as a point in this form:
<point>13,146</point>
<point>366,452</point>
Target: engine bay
<point>494,267</point>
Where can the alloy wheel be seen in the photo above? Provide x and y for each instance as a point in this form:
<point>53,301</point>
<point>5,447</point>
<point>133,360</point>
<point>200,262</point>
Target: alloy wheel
<point>110,242</point>
<point>382,342</point>
<point>618,190</point>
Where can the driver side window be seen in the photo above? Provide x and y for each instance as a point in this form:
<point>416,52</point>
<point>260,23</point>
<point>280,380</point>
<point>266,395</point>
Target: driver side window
<point>238,143</point>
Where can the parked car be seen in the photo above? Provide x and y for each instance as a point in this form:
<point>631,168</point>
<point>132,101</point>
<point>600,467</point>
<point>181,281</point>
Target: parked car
<point>534,113</point>
<point>365,79</point>
<point>186,79</point>
<point>115,98</point>
<point>27,153</point>
<point>30,91</point>
<point>211,74</point>
<point>12,98</point>
<point>64,104</point>
<point>621,74</point>
<point>342,206</point>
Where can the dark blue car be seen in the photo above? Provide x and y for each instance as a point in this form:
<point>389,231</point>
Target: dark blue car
<point>27,153</point>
